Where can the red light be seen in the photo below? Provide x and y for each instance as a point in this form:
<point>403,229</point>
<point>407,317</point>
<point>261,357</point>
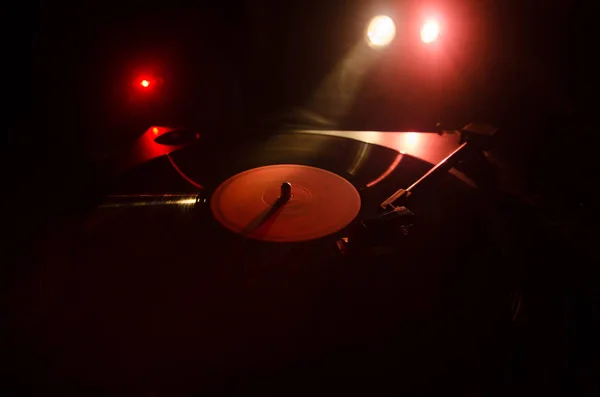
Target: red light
<point>155,130</point>
<point>147,85</point>
<point>430,31</point>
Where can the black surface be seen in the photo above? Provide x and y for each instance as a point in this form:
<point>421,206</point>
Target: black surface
<point>529,72</point>
<point>178,137</point>
<point>164,300</point>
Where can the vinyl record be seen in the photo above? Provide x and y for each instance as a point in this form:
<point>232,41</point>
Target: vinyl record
<point>176,293</point>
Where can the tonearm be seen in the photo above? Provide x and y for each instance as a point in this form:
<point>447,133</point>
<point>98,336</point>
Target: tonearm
<point>396,218</point>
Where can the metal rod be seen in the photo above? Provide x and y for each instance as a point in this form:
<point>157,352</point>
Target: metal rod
<point>442,166</point>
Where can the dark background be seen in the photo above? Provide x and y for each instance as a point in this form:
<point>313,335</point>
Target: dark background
<point>518,65</point>
<point>231,66</point>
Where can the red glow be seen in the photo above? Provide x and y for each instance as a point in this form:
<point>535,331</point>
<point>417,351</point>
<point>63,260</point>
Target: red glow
<point>182,174</point>
<point>145,83</point>
<point>155,130</point>
<point>387,172</point>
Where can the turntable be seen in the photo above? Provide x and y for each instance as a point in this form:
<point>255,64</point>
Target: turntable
<point>273,266</point>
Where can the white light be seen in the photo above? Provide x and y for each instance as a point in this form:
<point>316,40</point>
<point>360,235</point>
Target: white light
<point>430,31</point>
<point>381,31</point>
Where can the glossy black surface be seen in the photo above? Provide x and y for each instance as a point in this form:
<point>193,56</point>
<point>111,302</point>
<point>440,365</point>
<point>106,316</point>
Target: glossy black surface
<point>162,299</point>
<point>178,137</point>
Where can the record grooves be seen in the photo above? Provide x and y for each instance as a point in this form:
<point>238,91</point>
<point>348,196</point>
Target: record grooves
<point>188,296</point>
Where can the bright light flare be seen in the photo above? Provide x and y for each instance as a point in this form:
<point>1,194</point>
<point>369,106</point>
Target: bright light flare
<point>145,83</point>
<point>430,31</point>
<point>381,31</point>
